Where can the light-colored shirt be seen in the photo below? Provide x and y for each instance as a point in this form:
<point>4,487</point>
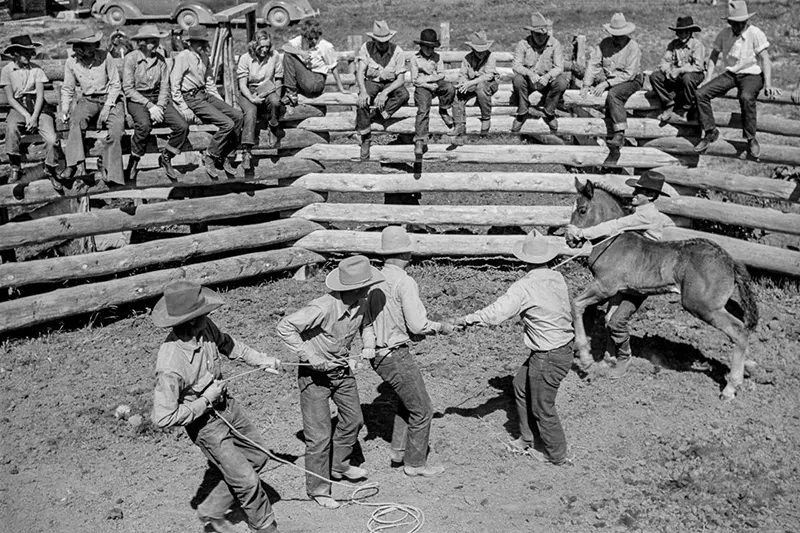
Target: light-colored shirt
<point>22,80</point>
<point>689,56</point>
<point>395,66</point>
<point>614,64</point>
<point>541,299</point>
<point>426,69</point>
<point>190,72</point>
<point>321,58</point>
<point>739,52</point>
<point>470,69</point>
<point>325,327</point>
<point>185,368</point>
<point>98,78</point>
<point>256,71</point>
<point>141,74</point>
<point>646,217</point>
<point>398,310</point>
<point>548,60</point>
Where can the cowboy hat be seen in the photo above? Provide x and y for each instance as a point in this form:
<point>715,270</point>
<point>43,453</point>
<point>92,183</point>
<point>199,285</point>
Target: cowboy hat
<point>353,273</point>
<point>479,42</point>
<point>535,249</point>
<point>737,11</point>
<point>85,36</point>
<point>395,240</point>
<point>539,24</point>
<point>428,37</point>
<point>650,180</point>
<point>196,33</point>
<point>381,32</point>
<point>20,41</point>
<point>182,301</point>
<point>619,26</point>
<point>149,31</point>
<point>685,24</point>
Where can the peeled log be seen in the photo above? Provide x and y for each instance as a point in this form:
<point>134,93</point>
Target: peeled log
<point>730,213</point>
<point>784,155</point>
<point>61,303</point>
<point>706,178</point>
<point>188,211</point>
<point>158,252</point>
<point>462,215</point>
<point>578,156</point>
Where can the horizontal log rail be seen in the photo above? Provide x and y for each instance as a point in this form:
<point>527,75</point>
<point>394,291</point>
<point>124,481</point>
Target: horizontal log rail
<point>731,213</point>
<point>732,148</point>
<point>723,181</point>
<point>92,297</point>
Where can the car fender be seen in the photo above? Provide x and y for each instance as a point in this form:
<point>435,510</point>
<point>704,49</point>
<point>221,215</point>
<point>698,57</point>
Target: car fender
<point>290,7</point>
<point>131,10</point>
<point>204,13</point>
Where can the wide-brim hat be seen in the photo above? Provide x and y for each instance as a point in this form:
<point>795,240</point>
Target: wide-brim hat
<point>395,240</point>
<point>22,42</point>
<point>479,42</point>
<point>353,273</point>
<point>428,37</point>
<point>86,37</point>
<point>149,31</point>
<point>737,11</point>
<point>182,301</point>
<point>196,33</point>
<point>539,24</point>
<point>650,180</point>
<point>381,32</point>
<point>619,26</point>
<point>536,249</point>
<point>685,24</point>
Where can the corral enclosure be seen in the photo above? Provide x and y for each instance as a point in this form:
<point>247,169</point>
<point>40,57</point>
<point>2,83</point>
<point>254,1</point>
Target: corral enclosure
<point>653,452</point>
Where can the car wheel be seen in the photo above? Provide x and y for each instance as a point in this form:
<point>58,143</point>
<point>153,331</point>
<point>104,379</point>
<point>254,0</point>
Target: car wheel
<point>115,16</point>
<point>187,19</point>
<point>277,17</point>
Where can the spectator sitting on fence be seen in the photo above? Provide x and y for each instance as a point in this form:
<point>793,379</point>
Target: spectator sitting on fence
<point>477,78</point>
<point>96,73</point>
<point>145,82</point>
<point>119,46</point>
<point>615,66</point>
<point>307,61</point>
<point>260,75</point>
<point>681,71</point>
<point>195,94</point>
<point>380,74</point>
<point>23,82</point>
<point>427,75</point>
<point>538,65</point>
<point>747,67</point>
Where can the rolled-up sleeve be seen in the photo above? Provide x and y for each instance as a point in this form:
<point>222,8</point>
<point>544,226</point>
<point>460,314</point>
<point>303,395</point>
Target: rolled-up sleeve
<point>179,68</point>
<point>292,326</point>
<point>414,310</point>
<point>507,306</point>
<point>168,410</point>
<point>243,68</point>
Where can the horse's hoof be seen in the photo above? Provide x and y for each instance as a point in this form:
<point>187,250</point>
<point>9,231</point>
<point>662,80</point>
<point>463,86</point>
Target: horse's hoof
<point>728,394</point>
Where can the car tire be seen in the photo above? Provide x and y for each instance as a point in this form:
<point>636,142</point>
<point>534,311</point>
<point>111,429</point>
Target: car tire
<point>277,17</point>
<point>187,18</point>
<point>115,16</point>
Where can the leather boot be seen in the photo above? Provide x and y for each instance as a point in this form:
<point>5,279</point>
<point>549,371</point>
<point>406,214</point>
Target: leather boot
<point>165,162</point>
<point>366,143</point>
<point>247,159</point>
<point>210,165</point>
<point>446,118</point>
<point>133,168</point>
<point>616,141</point>
<point>519,121</point>
<point>420,147</point>
<point>710,137</point>
<point>753,148</point>
<point>486,125</point>
<point>552,122</point>
<point>459,134</point>
<point>52,174</point>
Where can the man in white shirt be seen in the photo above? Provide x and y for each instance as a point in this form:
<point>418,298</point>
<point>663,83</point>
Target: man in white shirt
<point>307,61</point>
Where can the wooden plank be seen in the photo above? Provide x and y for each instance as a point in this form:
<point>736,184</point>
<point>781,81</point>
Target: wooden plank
<point>770,153</point>
<point>724,181</point>
<point>235,12</point>
<point>158,252</point>
<point>731,213</point>
<point>187,211</point>
<point>61,303</point>
<point>461,215</point>
<point>577,156</point>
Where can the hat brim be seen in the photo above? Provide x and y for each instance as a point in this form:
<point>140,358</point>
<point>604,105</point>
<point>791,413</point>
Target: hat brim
<point>394,251</point>
<point>10,48</point>
<point>740,18</point>
<point>195,38</point>
<point>629,28</point>
<point>633,182</point>
<point>333,283</point>
<point>693,27</point>
<point>537,29</point>
<point>538,259</point>
<point>96,38</point>
<point>159,35</point>
<point>162,319</point>
<point>480,47</point>
<point>382,38</point>
<point>435,44</point>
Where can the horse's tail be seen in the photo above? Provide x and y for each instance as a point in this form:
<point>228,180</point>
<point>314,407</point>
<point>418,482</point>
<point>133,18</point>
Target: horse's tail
<point>747,298</point>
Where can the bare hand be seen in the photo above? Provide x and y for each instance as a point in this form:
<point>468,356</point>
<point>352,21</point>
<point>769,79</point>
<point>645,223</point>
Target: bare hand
<point>535,78</point>
<point>598,90</point>
<point>380,101</point>
<point>573,232</point>
<point>772,92</point>
<point>30,122</point>
<point>189,115</point>
<point>102,118</point>
<point>156,114</point>
<point>362,100</point>
<point>256,99</point>
<point>368,353</point>
<point>214,391</point>
<point>318,363</point>
<point>271,363</point>
<point>464,87</point>
<point>65,118</point>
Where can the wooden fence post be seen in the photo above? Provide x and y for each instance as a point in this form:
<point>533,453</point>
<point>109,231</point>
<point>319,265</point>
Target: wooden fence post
<point>444,35</point>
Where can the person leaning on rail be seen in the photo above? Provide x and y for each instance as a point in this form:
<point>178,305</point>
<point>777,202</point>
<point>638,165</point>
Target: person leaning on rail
<point>190,392</point>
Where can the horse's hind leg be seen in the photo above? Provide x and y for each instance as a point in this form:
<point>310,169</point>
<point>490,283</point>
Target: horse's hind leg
<point>735,330</point>
<point>593,294</point>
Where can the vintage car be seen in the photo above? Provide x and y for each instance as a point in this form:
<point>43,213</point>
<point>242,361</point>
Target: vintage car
<point>188,13</point>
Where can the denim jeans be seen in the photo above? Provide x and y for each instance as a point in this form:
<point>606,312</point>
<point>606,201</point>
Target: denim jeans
<point>749,85</point>
<point>397,99</point>
<point>298,78</point>
<point>680,92</point>
<point>422,98</point>
<point>616,97</point>
<point>86,111</point>
<point>482,93</point>
<point>551,93</point>
<point>271,108</point>
<point>315,390</point>
<point>412,421</point>
<point>535,389</point>
<point>142,125</point>
<point>45,127</point>
<point>228,120</point>
<point>239,464</point>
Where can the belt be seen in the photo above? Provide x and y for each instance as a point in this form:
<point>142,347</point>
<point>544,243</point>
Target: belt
<point>192,92</point>
<point>387,352</point>
<point>96,97</point>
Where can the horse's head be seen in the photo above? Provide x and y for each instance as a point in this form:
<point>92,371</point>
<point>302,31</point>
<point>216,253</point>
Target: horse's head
<point>594,205</point>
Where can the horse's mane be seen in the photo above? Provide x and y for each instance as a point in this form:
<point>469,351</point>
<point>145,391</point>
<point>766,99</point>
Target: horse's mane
<point>612,189</point>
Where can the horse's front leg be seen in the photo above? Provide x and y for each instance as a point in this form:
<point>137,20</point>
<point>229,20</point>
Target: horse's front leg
<point>592,294</point>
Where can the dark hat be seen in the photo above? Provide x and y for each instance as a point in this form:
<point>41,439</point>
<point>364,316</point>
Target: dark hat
<point>650,180</point>
<point>20,41</point>
<point>182,301</point>
<point>85,36</point>
<point>685,24</point>
<point>428,36</point>
<point>196,33</point>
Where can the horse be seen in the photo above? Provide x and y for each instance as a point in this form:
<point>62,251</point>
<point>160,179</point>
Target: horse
<point>713,286</point>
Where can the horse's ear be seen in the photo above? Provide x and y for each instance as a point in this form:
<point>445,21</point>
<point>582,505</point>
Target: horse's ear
<point>578,185</point>
<point>588,189</point>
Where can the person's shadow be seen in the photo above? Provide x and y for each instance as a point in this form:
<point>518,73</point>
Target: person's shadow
<point>503,400</point>
<point>379,415</point>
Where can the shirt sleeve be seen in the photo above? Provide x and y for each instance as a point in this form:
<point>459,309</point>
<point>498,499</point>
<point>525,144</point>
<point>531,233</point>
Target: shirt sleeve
<point>41,77</point>
<point>760,42</point>
<point>243,68</point>
<point>719,42</point>
<point>414,310</point>
<point>114,84</point>
<point>211,84</point>
<point>507,306</point>
<point>593,66</point>
<point>517,64</point>
<point>5,78</point>
<point>490,69</point>
<point>233,349</point>
<point>329,56</point>
<point>291,327</point>
<point>163,87</point>
<point>463,72</point>
<point>399,61</point>
<point>179,68</point>
<point>278,74</point>
<point>362,56</point>
<point>168,410</point>
<point>667,63</point>
<point>629,65</point>
<point>617,225</point>
<point>558,61</point>
<point>129,82</point>
<point>697,59</point>
<point>67,87</point>
<point>414,70</point>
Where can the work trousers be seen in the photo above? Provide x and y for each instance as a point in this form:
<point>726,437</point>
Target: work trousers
<point>228,120</point>
<point>86,111</point>
<point>482,93</point>
<point>271,108</point>
<point>680,92</point>
<point>45,127</point>
<point>326,453</point>
<point>298,78</point>
<point>551,93</point>
<point>535,389</point>
<point>397,99</point>
<point>236,463</point>
<point>412,421</point>
<point>621,308</point>
<point>616,116</point>
<point>142,125</point>
<point>445,91</point>
<point>749,85</point>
